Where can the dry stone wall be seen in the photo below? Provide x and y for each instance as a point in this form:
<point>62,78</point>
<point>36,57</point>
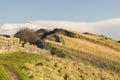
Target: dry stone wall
<point>13,44</point>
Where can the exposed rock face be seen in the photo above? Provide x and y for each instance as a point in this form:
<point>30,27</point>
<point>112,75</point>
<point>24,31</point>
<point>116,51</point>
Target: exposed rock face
<point>42,44</point>
<point>13,44</point>
<point>42,32</point>
<point>57,31</point>
<point>53,35</point>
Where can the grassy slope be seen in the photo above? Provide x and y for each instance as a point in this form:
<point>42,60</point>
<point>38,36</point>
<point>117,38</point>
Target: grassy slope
<point>15,61</point>
<point>90,53</point>
<point>98,39</point>
<point>96,54</point>
<point>78,59</point>
<point>54,68</point>
<point>36,67</point>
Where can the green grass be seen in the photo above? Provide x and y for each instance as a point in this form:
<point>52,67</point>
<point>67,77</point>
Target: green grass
<point>3,74</point>
<point>15,62</point>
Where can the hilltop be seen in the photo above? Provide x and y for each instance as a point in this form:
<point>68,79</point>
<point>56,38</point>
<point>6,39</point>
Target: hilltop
<point>69,55</point>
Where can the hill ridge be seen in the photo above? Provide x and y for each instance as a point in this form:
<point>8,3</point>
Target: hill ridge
<point>69,56</point>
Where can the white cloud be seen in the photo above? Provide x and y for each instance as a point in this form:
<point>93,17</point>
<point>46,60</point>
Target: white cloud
<point>11,29</point>
<point>110,27</point>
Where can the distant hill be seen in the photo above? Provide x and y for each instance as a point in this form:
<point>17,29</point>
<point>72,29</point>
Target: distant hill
<point>73,56</point>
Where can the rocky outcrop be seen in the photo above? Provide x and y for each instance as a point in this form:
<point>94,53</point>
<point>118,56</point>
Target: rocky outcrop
<point>54,34</point>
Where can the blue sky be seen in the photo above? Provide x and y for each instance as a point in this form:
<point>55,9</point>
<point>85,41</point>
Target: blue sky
<point>21,11</point>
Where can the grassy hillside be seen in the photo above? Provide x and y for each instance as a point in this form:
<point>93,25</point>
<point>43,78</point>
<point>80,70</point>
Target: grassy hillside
<point>90,53</point>
<point>54,68</point>
<point>11,65</point>
<point>26,66</point>
<point>78,56</point>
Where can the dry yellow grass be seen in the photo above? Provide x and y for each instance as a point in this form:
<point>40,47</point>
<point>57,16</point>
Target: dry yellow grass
<point>54,68</point>
<point>98,39</point>
<point>90,53</point>
<point>92,48</point>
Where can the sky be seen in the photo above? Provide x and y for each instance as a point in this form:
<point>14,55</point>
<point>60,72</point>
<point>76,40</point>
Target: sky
<point>96,16</point>
<point>21,11</point>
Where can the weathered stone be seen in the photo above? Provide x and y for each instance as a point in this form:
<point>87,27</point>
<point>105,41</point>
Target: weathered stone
<point>13,44</point>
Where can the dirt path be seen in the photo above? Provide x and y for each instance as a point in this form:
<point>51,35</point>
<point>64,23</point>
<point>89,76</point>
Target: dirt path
<point>10,73</point>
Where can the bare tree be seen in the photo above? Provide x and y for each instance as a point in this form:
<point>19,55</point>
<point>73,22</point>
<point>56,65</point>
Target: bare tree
<point>27,35</point>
